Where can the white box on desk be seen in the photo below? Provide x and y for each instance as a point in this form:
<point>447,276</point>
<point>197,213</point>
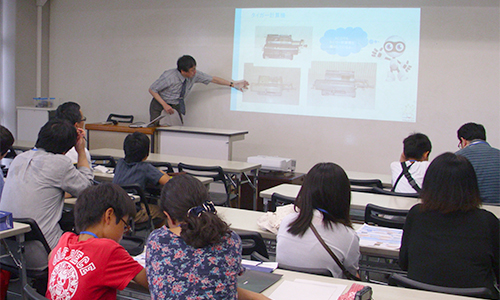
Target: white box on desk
<point>273,163</point>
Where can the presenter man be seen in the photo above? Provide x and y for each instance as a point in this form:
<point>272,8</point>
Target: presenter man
<point>170,90</point>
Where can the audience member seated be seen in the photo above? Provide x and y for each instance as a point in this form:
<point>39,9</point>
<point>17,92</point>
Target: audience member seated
<point>38,178</point>
<point>71,112</point>
<point>197,256</point>
<point>322,202</point>
<point>448,240</point>
<point>133,169</point>
<point>6,141</point>
<point>484,158</point>
<point>408,173</point>
<point>92,265</point>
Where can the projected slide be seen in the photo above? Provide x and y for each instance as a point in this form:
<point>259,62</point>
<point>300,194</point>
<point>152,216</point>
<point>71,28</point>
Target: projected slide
<point>358,63</point>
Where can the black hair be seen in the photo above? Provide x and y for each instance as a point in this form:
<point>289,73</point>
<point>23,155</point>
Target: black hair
<point>472,131</point>
<point>450,184</point>
<point>136,147</point>
<point>57,136</point>
<point>6,140</point>
<point>182,193</point>
<point>327,189</point>
<point>93,202</point>
<point>186,62</point>
<point>69,111</point>
<point>416,145</point>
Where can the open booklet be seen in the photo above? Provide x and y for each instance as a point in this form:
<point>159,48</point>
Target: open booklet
<point>142,124</point>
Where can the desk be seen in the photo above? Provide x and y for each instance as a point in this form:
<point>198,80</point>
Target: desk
<point>237,168</point>
<point>99,176</point>
<point>112,136</point>
<point>134,291</point>
<point>359,200</point>
<point>199,142</point>
<point>23,145</point>
<point>18,231</point>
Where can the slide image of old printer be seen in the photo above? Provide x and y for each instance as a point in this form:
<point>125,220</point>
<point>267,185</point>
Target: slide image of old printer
<point>339,83</point>
<point>270,86</point>
<point>281,47</point>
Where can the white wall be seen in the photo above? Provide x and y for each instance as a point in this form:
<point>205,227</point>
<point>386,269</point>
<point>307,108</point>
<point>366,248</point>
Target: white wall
<point>105,54</point>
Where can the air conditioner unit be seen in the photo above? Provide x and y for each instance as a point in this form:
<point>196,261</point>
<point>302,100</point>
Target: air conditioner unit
<point>273,163</point>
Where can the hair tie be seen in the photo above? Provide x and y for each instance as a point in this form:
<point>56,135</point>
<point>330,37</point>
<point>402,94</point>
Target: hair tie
<point>196,211</point>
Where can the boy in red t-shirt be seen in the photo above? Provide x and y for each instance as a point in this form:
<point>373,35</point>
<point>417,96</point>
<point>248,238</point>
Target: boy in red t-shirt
<point>93,265</point>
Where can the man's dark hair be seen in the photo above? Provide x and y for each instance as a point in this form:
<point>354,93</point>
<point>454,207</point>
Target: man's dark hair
<point>93,202</point>
<point>472,131</point>
<point>416,145</point>
<point>69,111</point>
<point>186,62</point>
<point>6,140</point>
<point>57,136</point>
<point>450,184</point>
<point>136,147</point>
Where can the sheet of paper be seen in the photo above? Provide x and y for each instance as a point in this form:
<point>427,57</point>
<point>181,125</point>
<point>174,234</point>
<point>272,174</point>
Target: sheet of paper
<point>305,289</point>
<point>382,237</point>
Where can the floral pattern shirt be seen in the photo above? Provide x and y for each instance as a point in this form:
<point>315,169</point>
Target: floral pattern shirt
<point>178,271</point>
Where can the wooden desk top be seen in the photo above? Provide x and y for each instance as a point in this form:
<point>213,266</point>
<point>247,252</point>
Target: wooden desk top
<point>121,127</point>
<point>229,166</point>
<point>202,130</point>
<point>19,228</point>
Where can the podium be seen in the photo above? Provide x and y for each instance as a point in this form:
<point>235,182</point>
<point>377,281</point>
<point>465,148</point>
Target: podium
<point>101,135</point>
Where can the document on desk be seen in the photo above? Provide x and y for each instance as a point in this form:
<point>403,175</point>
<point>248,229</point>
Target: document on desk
<point>380,237</point>
<point>307,289</point>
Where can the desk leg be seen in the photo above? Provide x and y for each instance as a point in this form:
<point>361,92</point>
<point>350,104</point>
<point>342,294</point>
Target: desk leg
<point>24,277</point>
<point>255,189</point>
<point>265,202</point>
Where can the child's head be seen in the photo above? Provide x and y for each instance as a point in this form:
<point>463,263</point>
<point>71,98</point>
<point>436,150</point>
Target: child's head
<point>6,141</point>
<point>95,201</point>
<point>185,200</point>
<point>136,147</point>
<point>417,146</point>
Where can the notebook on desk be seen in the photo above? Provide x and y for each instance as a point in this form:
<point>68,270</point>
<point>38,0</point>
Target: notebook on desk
<point>142,124</point>
<point>256,281</point>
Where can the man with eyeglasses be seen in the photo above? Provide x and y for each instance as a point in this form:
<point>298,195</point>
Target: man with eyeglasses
<point>484,158</point>
<point>72,112</point>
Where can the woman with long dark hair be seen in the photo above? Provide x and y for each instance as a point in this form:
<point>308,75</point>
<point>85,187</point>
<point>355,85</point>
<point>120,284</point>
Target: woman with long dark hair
<point>323,202</point>
<point>448,240</point>
<point>197,256</point>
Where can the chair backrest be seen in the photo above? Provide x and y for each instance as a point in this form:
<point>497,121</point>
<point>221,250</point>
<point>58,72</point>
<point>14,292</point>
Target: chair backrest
<point>32,294</point>
<point>252,241</point>
<point>36,250</point>
<point>120,118</point>
<point>316,271</point>
<point>381,191</point>
<point>366,182</point>
<point>103,160</point>
<point>163,165</point>
<point>401,281</point>
<point>279,200</point>
<point>137,190</point>
<point>214,172</point>
<point>386,217</point>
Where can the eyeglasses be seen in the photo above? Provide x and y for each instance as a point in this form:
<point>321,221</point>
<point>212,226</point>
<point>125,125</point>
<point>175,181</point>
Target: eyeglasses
<point>126,226</point>
<point>83,119</point>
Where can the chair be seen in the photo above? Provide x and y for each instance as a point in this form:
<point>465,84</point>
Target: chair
<point>279,200</point>
<point>252,242</point>
<point>386,217</point>
<point>103,160</point>
<point>377,190</point>
<point>36,254</point>
<point>402,281</point>
<point>315,271</point>
<point>136,189</point>
<point>164,166</point>
<point>120,118</point>
<point>32,294</point>
<point>217,174</point>
<point>364,185</point>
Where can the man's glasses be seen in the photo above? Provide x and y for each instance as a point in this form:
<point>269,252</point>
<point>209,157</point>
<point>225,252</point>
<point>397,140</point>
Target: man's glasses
<point>83,119</point>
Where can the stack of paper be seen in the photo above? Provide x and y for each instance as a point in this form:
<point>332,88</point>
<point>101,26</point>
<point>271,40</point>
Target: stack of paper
<point>380,237</point>
<point>307,289</point>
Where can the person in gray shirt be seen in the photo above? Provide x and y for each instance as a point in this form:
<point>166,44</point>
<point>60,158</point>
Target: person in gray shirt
<point>38,178</point>
<point>170,90</point>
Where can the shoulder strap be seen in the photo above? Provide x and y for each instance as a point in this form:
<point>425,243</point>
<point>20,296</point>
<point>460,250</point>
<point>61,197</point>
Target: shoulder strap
<point>410,179</point>
<point>346,273</point>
